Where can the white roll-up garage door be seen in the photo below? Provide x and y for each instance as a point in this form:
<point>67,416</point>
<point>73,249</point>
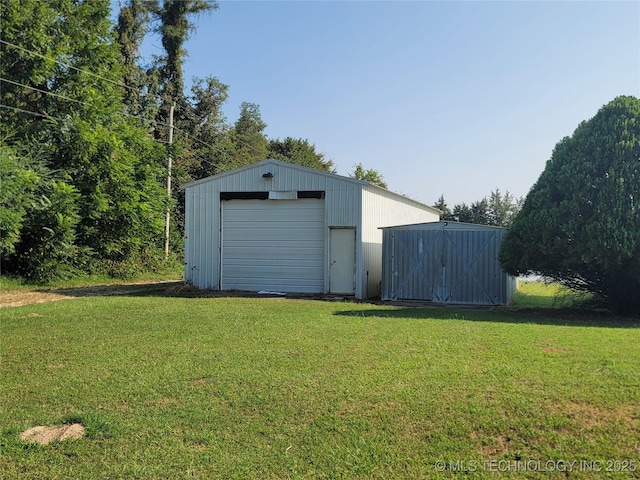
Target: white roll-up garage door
<point>274,245</point>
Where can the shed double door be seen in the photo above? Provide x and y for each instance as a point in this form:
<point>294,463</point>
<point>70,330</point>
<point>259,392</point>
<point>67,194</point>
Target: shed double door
<point>273,245</point>
<point>446,267</point>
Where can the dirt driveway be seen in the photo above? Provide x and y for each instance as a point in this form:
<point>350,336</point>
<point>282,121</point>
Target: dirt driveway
<point>16,298</point>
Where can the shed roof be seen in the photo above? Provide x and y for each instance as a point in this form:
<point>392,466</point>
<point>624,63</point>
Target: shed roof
<point>444,224</point>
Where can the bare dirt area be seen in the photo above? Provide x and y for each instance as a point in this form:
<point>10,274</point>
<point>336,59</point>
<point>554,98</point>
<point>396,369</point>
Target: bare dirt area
<point>172,288</point>
<point>45,435</point>
<point>19,297</point>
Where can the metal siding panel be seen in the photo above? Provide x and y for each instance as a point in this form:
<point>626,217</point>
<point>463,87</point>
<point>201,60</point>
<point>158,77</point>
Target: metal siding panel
<point>200,252</point>
<point>197,240</point>
<point>342,204</point>
<point>383,209</point>
<point>388,278</point>
<point>211,218</point>
<point>189,249</point>
<point>468,268</point>
<point>204,249</point>
<point>415,265</point>
<point>340,194</point>
<point>420,256</point>
<point>197,270</point>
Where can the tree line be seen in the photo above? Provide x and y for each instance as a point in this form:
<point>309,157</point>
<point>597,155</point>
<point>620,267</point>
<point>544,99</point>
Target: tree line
<point>499,210</point>
<point>84,134</point>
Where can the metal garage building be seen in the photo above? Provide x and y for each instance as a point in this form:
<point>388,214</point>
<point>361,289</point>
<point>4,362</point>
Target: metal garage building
<point>445,262</point>
<point>277,226</point>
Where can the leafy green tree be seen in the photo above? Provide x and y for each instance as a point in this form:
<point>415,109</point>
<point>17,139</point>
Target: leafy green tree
<point>133,24</point>
<point>116,170</point>
<point>46,249</point>
<point>580,223</point>
<point>193,120</point>
<point>205,146</point>
<point>209,145</point>
<point>33,33</point>
<point>372,176</point>
<point>20,180</point>
<point>59,63</point>
<point>300,152</point>
<point>175,26</point>
<point>66,97</point>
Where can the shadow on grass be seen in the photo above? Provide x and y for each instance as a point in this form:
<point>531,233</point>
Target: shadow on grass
<point>547,315</point>
<point>177,289</point>
<point>143,288</point>
<point>539,316</point>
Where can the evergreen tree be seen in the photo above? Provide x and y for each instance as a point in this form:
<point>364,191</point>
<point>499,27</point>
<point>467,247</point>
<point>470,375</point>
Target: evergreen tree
<point>445,213</point>
<point>498,210</point>
<point>478,212</point>
<point>250,143</point>
<point>580,223</point>
<point>502,209</point>
<point>462,213</point>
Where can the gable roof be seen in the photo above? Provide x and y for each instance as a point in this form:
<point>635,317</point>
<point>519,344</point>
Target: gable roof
<point>272,161</point>
<point>313,171</point>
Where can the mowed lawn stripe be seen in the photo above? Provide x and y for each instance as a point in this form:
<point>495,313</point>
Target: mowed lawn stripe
<point>278,388</point>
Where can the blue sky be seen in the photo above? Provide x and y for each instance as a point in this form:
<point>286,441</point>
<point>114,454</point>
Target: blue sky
<point>453,98</point>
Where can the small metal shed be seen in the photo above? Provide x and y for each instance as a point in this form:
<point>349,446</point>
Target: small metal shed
<point>445,262</point>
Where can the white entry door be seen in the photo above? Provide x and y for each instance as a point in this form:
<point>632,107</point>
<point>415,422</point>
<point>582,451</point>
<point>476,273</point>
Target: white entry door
<point>342,260</point>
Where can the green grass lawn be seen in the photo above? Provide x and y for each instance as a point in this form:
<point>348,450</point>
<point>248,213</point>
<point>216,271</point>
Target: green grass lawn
<point>271,388</point>
<point>533,294</point>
